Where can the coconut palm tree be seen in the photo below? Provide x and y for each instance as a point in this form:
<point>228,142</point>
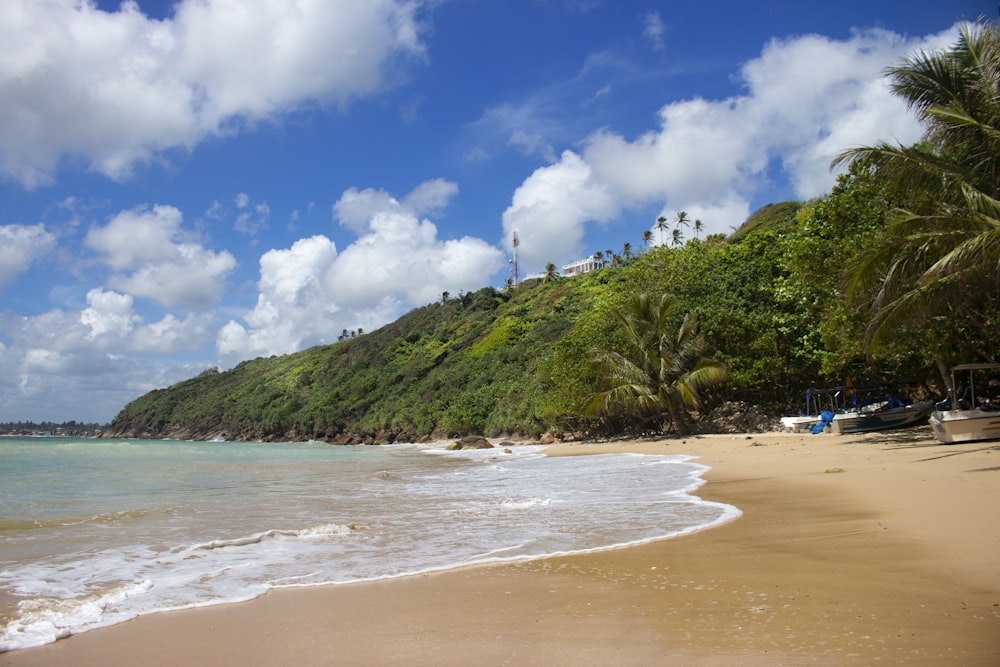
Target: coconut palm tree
<point>551,273</point>
<point>658,375</point>
<point>661,224</point>
<point>677,236</point>
<point>942,251</point>
<point>698,227</point>
<point>627,251</point>
<point>682,220</point>
<point>647,237</point>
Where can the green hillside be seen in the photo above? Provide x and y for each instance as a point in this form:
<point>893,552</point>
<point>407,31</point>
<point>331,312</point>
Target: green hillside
<point>518,361</point>
<point>480,362</point>
<point>769,299</point>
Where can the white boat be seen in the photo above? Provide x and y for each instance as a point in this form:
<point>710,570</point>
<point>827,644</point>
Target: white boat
<point>817,400</point>
<point>799,424</point>
<point>970,414</point>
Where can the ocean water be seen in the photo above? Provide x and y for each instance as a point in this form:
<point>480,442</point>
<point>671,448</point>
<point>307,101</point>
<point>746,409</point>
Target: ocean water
<point>95,532</point>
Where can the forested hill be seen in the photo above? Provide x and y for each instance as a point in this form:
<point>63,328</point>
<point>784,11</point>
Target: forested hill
<point>479,362</point>
<point>518,361</point>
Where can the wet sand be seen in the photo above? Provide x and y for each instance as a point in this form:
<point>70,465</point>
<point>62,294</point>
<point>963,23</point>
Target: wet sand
<point>857,550</point>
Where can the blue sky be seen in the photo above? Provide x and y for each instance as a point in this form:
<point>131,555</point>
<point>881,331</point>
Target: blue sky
<point>195,183</point>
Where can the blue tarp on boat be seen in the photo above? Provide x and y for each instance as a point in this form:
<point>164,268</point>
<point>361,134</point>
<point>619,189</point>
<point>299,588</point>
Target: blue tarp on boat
<point>825,419</point>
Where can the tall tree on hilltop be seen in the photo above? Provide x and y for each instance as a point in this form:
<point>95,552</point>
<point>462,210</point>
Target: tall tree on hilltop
<point>941,252</point>
<point>551,273</point>
<point>682,220</point>
<point>647,237</point>
<point>661,224</point>
<point>658,375</point>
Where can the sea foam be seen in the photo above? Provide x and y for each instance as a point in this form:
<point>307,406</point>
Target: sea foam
<point>209,523</point>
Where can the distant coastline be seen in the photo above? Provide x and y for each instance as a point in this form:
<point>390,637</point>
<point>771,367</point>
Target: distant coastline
<point>29,429</point>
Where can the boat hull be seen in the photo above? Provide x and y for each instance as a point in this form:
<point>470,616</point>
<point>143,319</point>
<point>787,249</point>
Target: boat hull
<point>799,424</point>
<point>862,422</point>
<point>965,425</point>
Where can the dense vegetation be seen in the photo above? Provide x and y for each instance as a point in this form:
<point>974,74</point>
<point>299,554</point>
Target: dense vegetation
<point>890,278</point>
<point>520,360</point>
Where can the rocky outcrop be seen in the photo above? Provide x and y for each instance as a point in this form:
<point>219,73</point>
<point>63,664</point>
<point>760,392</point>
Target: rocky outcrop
<point>470,442</point>
<point>738,417</point>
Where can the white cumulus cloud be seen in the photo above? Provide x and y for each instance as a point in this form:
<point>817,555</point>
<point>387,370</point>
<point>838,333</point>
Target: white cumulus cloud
<point>117,88</point>
<point>154,258</point>
<point>548,210</point>
<point>91,362</point>
<point>20,245</point>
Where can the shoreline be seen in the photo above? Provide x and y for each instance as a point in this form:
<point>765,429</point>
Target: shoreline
<point>851,549</point>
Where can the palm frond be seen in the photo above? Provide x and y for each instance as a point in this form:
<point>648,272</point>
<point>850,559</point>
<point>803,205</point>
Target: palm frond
<point>659,370</point>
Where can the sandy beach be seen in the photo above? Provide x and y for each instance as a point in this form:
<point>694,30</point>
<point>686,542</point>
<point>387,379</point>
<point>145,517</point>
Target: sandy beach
<point>868,549</point>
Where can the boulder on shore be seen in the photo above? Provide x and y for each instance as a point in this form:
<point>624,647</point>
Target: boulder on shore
<point>470,442</point>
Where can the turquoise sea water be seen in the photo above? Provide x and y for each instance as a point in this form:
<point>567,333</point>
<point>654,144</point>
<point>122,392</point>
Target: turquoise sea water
<point>94,532</point>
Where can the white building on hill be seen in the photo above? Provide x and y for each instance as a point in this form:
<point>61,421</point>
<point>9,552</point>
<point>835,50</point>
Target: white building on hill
<point>583,266</point>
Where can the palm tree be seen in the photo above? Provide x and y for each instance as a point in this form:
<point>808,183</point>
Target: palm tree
<point>682,219</point>
<point>647,236</point>
<point>551,273</point>
<point>661,224</point>
<point>677,236</point>
<point>660,372</point>
<point>627,251</point>
<point>599,258</point>
<point>948,236</point>
<point>698,226</point>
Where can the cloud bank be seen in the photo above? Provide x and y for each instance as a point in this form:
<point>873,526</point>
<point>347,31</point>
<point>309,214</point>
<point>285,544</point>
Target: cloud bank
<point>113,89</point>
<point>806,99</point>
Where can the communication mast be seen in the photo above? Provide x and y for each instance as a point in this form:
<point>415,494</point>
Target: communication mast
<point>516,271</point>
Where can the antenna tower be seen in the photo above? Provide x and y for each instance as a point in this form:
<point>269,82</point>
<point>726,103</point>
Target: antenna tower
<point>517,273</point>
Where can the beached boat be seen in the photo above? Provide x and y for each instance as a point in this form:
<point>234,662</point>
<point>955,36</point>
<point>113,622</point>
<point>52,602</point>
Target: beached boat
<point>970,413</point>
<point>851,409</point>
<point>800,423</point>
<point>882,415</point>
<point>817,400</point>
